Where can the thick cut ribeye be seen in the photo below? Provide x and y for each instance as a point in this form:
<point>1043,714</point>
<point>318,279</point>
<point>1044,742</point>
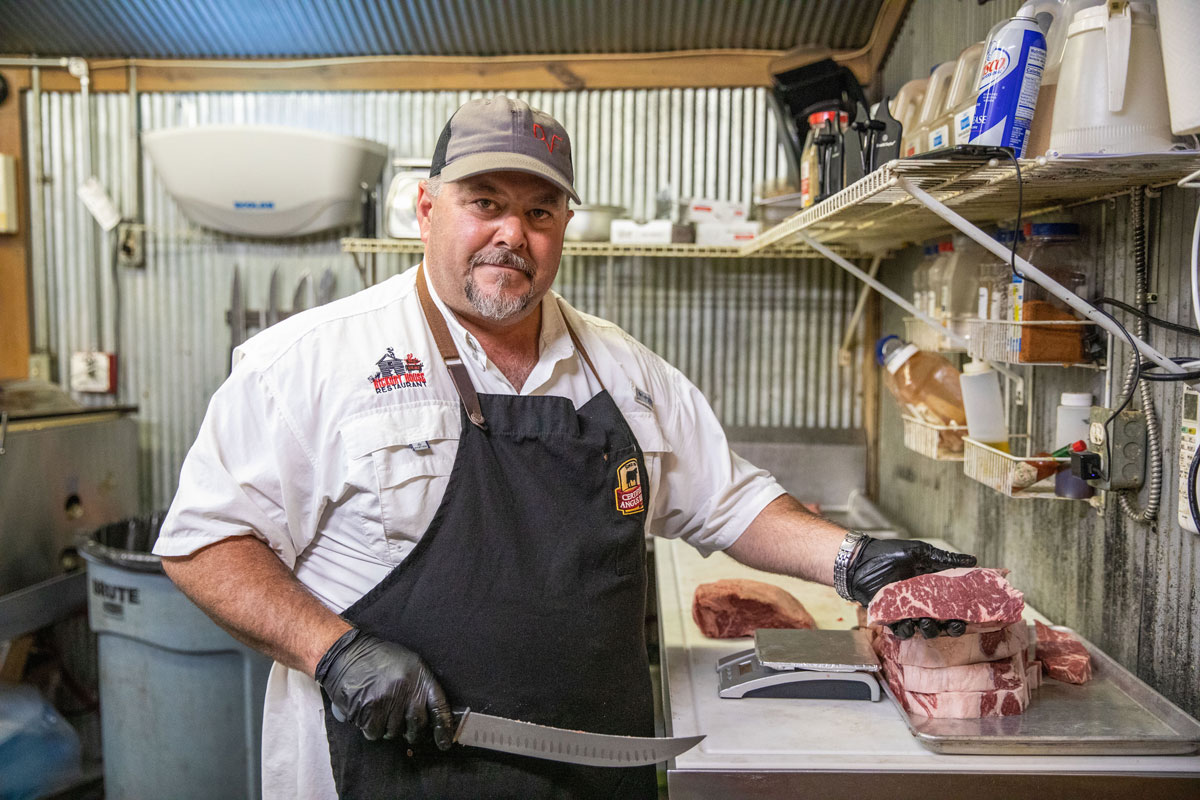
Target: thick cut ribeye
<point>973,594</point>
<point>731,608</point>
<point>1063,656</point>
<point>950,651</point>
<point>955,704</point>
<point>1004,673</point>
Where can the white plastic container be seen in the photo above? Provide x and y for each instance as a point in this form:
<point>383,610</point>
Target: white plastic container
<point>960,101</point>
<point>931,109</point>
<point>942,265</point>
<point>1071,425</point>
<point>1179,32</point>
<point>1112,95</point>
<point>984,405</point>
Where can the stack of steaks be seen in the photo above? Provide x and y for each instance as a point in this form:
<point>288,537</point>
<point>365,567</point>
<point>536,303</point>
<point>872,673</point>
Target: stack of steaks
<point>986,672</point>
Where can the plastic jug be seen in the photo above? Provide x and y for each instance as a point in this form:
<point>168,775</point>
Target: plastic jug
<point>1179,32</point>
<point>1056,40</point>
<point>1112,94</point>
<point>984,405</point>
<point>960,100</point>
<point>924,383</point>
<point>943,264</point>
<point>906,108</point>
<point>960,281</point>
<point>920,278</point>
<point>931,110</point>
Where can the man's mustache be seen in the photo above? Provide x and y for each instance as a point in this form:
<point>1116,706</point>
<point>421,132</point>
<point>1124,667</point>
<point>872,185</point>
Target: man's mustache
<point>504,258</point>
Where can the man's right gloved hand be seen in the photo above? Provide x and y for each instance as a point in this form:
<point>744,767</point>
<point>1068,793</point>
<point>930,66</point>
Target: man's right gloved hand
<point>384,689</point>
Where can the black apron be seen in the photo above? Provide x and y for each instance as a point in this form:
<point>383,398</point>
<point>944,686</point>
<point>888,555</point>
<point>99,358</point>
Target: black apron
<point>525,596</point>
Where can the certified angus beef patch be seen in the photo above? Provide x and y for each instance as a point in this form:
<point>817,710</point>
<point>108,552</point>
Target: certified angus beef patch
<point>629,488</point>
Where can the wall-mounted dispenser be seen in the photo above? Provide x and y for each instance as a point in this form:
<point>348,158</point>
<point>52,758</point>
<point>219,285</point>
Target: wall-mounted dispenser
<point>258,180</point>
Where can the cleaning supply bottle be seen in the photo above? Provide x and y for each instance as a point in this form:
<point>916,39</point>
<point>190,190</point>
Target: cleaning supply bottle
<point>960,284</point>
<point>920,278</point>
<point>983,405</point>
<point>943,264</point>
<point>924,383</point>
<point>1009,82</point>
<point>1072,422</point>
<point>995,275</point>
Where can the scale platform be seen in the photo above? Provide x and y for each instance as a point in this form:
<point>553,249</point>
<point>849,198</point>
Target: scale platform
<point>810,664</point>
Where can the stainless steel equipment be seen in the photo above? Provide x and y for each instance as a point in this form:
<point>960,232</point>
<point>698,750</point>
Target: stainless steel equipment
<point>1112,714</point>
<point>64,469</point>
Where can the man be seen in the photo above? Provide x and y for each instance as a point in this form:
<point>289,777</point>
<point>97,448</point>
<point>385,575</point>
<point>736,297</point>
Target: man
<point>436,492</point>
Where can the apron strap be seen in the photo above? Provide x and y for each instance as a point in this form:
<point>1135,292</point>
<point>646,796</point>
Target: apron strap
<point>449,353</point>
<point>458,370</point>
<point>579,346</point>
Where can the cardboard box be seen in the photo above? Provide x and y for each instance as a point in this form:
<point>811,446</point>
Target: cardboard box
<point>656,231</point>
<point>707,209</point>
<point>726,234</point>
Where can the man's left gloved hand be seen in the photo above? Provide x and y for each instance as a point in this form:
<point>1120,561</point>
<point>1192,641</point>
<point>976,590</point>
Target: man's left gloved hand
<point>883,561</point>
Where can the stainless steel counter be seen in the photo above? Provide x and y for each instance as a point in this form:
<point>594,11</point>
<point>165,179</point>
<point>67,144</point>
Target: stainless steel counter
<point>761,747</point>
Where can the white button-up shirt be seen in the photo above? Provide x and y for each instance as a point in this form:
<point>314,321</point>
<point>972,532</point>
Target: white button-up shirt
<point>333,440</point>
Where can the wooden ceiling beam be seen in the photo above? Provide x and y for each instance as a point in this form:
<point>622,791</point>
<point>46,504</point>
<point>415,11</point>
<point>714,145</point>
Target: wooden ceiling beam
<point>681,69</point>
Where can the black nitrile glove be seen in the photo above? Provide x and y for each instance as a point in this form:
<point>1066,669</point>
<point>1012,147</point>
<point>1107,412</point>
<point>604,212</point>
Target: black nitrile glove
<point>883,561</point>
<point>384,689</point>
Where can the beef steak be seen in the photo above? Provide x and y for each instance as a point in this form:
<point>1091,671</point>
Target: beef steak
<point>730,608</point>
<point>949,651</point>
<point>1003,673</point>
<point>974,594</point>
<point>1063,656</point>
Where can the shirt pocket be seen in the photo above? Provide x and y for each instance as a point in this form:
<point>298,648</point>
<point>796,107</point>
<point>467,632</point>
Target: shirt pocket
<point>412,451</point>
<point>655,448</point>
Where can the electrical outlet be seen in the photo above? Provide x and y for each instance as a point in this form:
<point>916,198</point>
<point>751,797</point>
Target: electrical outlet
<point>1119,449</point>
<point>39,366</point>
<point>94,371</point>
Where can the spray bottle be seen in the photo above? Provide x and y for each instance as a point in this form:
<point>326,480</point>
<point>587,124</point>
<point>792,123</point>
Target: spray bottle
<point>1008,82</point>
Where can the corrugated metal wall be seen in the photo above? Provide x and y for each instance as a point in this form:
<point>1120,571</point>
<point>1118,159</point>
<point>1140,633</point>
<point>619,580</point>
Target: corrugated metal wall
<point>1130,588</point>
<point>759,337</point>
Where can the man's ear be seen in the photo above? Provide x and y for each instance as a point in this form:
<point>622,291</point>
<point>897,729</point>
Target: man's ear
<point>424,210</point>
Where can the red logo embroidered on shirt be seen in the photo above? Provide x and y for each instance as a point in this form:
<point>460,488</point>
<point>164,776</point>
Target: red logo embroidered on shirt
<point>629,488</point>
<point>540,134</point>
<point>397,373</point>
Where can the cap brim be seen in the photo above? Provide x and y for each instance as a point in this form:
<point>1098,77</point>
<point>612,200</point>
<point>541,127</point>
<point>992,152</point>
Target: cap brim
<point>479,163</point>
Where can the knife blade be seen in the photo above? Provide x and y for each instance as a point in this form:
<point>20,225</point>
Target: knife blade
<point>273,315</point>
<point>559,744</point>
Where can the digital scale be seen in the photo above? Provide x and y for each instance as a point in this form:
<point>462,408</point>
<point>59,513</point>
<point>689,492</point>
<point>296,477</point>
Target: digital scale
<point>809,664</point>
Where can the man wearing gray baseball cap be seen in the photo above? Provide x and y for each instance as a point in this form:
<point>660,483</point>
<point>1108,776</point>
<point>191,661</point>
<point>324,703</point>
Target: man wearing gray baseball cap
<point>437,491</point>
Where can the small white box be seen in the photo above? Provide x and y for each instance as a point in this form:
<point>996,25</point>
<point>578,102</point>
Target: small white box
<point>725,234</point>
<point>707,209</point>
<point>656,231</point>
<point>94,371</point>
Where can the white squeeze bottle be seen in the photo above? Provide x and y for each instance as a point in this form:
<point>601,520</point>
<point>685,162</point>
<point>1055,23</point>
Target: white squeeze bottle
<point>984,405</point>
<point>1072,422</point>
<point>925,384</point>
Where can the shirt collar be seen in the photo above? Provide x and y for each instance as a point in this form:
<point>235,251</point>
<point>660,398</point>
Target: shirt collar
<point>554,344</point>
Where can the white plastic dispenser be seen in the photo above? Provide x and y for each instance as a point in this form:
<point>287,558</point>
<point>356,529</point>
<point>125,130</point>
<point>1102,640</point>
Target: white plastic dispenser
<point>261,180</point>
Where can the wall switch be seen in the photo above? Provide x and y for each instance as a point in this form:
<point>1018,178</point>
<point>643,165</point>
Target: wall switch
<point>39,366</point>
<point>94,371</point>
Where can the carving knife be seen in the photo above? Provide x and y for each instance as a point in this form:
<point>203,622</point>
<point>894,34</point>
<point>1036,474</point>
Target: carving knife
<point>558,744</point>
<point>474,729</point>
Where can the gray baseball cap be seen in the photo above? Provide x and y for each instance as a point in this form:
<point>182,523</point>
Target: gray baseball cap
<point>503,133</point>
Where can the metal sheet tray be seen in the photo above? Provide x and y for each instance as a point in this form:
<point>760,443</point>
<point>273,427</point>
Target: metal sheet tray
<point>1112,714</point>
